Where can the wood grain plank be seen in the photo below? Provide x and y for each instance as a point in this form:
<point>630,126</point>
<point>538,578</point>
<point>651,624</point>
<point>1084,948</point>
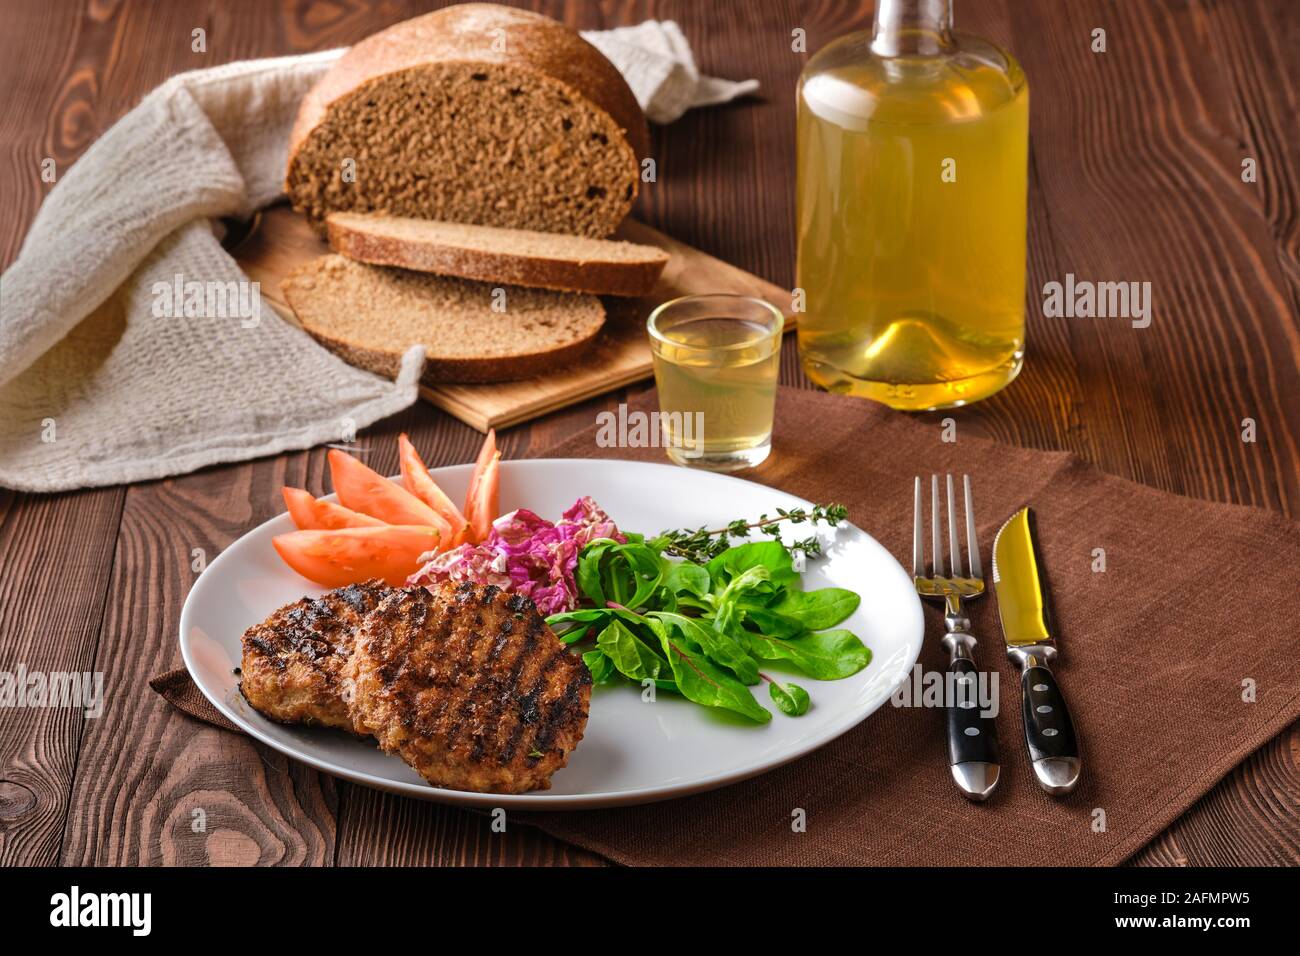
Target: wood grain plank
<point>1128,153</point>
<point>56,553</point>
<point>383,830</point>
<point>183,792</point>
<point>45,115</point>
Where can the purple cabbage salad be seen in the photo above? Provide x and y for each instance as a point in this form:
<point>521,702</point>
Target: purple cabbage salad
<point>526,554</point>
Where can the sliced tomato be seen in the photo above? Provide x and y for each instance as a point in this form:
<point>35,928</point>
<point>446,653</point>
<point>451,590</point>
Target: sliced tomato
<point>309,514</point>
<point>481,508</point>
<point>486,452</point>
<point>418,481</point>
<point>336,558</point>
<point>489,507</point>
<point>362,489</point>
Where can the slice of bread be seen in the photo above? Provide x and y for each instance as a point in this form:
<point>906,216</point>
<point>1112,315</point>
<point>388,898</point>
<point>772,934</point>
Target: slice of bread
<point>541,260</point>
<point>370,315</point>
<point>475,113</point>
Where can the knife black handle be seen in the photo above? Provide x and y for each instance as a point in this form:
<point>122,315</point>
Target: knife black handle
<point>1049,731</point>
<point>972,737</point>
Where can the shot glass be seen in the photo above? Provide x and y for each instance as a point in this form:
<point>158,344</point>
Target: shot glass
<point>716,359</point>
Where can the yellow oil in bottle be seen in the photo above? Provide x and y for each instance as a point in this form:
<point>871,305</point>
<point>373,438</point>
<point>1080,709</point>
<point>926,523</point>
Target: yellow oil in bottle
<point>912,181</point>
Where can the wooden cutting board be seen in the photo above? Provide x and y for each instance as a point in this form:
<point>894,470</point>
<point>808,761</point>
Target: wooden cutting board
<point>281,241</point>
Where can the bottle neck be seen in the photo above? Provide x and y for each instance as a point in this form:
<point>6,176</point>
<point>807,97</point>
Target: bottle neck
<point>918,27</point>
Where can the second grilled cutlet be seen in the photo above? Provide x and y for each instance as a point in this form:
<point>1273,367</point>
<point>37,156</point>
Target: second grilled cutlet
<point>470,687</point>
<point>293,661</point>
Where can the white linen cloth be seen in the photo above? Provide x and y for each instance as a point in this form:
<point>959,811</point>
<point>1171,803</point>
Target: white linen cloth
<point>102,383</point>
<point>658,64</point>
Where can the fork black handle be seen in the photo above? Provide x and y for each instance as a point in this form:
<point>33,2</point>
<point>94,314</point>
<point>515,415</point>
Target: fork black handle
<point>972,733</point>
<point>1049,731</point>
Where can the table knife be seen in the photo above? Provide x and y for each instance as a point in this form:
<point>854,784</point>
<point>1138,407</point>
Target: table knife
<point>1021,585</point>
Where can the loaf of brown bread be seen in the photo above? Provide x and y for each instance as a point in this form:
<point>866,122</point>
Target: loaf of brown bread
<point>471,331</point>
<point>541,260</point>
<point>476,113</point>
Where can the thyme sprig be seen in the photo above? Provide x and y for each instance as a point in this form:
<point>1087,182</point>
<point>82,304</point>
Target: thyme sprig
<point>701,545</point>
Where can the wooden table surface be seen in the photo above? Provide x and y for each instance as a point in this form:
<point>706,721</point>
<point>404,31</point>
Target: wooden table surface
<point>1136,167</point>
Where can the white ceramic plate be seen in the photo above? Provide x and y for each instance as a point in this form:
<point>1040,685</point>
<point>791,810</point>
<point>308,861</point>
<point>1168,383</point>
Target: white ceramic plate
<point>633,751</point>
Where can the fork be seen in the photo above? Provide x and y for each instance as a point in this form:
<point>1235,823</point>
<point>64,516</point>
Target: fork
<point>972,738</point>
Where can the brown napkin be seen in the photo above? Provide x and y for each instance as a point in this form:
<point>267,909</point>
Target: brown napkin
<point>1177,660</point>
<point>178,689</point>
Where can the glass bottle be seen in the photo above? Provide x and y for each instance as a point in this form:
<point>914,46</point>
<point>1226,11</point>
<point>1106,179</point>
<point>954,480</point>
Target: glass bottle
<point>912,183</point>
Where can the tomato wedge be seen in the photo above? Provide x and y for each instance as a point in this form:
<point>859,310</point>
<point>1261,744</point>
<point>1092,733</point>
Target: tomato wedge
<point>336,558</point>
<point>362,489</point>
<point>418,481</point>
<point>486,505</point>
<point>481,499</point>
<point>312,515</point>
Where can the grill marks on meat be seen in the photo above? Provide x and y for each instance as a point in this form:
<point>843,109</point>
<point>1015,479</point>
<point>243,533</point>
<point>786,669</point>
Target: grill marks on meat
<point>293,661</point>
<point>470,687</point>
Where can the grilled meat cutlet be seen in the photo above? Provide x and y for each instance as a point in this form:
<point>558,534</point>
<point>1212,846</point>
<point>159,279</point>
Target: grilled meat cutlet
<point>470,687</point>
<point>293,661</point>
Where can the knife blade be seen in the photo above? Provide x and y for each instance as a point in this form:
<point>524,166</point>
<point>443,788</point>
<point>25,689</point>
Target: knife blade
<point>1023,609</point>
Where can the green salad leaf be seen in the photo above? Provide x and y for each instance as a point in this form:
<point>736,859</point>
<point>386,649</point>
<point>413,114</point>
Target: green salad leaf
<point>817,610</point>
<point>703,630</point>
<point>790,698</point>
<point>703,681</point>
<point>771,555</point>
<point>722,647</point>
<point>686,578</point>
<point>601,667</point>
<point>825,655</point>
<point>629,654</point>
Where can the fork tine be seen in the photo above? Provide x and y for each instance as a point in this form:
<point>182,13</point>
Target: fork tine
<point>936,559</point>
<point>972,545</point>
<point>918,556</point>
<point>954,552</point>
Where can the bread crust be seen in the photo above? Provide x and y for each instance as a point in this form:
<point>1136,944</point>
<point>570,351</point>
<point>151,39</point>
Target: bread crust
<point>631,278</point>
<point>453,371</point>
<point>438,369</point>
<point>477,33</point>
